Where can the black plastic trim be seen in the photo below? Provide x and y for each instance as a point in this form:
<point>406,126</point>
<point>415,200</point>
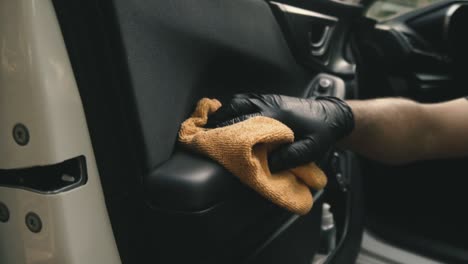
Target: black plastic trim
<point>48,179</point>
<point>280,230</point>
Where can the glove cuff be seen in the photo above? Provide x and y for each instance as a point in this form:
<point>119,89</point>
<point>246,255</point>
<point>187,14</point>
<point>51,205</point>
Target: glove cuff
<point>347,117</point>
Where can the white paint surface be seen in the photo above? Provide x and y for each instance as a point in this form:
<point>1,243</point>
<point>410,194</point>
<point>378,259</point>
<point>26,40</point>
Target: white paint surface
<point>38,89</point>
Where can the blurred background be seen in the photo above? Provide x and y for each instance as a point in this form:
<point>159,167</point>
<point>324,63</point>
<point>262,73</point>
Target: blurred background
<point>385,9</point>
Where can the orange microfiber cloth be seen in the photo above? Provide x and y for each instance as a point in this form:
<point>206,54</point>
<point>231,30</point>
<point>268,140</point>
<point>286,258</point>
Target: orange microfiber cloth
<point>242,148</point>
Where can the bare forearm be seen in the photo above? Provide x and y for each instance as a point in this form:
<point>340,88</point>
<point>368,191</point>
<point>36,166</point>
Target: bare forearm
<point>397,130</point>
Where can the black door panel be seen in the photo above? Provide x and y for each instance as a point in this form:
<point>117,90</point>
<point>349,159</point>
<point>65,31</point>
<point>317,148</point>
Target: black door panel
<point>177,53</point>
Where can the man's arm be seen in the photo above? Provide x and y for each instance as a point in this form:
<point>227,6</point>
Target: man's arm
<point>397,130</point>
<point>390,130</point>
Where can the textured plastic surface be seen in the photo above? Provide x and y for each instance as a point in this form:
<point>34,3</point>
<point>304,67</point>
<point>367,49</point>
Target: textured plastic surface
<point>189,182</point>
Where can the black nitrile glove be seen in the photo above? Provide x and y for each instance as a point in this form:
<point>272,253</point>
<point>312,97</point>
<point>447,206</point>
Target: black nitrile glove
<point>318,123</point>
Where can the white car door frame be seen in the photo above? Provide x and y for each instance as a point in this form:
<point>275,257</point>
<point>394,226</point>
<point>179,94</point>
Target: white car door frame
<point>38,90</point>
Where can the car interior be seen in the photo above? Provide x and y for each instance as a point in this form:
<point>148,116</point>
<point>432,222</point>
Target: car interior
<point>141,66</point>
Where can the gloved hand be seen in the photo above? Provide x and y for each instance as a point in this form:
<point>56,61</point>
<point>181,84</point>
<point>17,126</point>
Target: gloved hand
<point>317,123</point>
